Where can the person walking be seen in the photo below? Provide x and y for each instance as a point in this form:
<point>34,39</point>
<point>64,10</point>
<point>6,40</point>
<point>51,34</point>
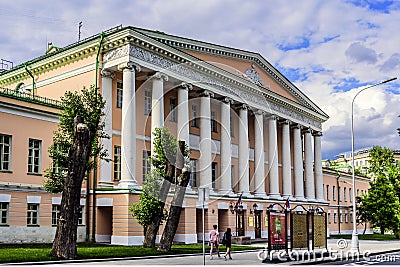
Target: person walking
<point>227,241</point>
<point>214,241</point>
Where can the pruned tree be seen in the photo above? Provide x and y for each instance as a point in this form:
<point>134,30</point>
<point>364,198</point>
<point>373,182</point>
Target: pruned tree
<point>182,176</point>
<point>150,210</point>
<point>72,152</point>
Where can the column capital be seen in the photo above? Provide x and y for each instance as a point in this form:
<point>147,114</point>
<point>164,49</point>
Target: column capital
<point>306,130</point>
<point>227,100</point>
<point>107,74</point>
<point>129,65</point>
<point>316,133</point>
<point>242,106</point>
<point>207,93</point>
<point>259,112</point>
<point>296,126</point>
<point>185,86</point>
<point>160,75</point>
<point>272,117</point>
<point>284,122</point>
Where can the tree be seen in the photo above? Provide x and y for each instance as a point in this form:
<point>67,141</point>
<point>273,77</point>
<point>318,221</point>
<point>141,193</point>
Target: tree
<point>72,152</point>
<point>182,175</point>
<point>150,211</point>
<point>381,204</point>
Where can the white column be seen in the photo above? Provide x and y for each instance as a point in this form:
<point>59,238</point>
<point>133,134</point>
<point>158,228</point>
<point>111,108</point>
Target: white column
<point>183,112</point>
<point>244,180</point>
<point>308,166</point>
<point>298,164</point>
<point>106,91</point>
<point>226,155</point>
<point>259,172</point>
<point>286,162</point>
<point>128,131</point>
<point>205,140</point>
<point>273,158</point>
<point>319,182</point>
<point>157,104</point>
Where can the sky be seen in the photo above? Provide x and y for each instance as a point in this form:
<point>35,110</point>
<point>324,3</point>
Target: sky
<point>329,49</point>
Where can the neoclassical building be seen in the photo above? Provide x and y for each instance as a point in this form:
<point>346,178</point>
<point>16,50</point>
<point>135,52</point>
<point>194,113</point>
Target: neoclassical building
<point>250,132</point>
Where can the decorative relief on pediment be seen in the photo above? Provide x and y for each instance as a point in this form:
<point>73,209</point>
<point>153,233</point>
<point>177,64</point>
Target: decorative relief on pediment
<point>253,76</point>
<point>196,76</point>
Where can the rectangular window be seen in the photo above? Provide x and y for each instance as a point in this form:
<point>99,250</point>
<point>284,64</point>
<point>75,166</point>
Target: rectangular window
<point>55,214</point>
<point>32,217</point>
<point>232,127</point>
<point>334,193</point>
<point>4,213</point>
<point>119,94</point>
<point>327,192</point>
<point>338,193</point>
<point>351,217</point>
<point>334,218</point>
<point>195,122</point>
<point>80,216</point>
<point>358,192</point>
<point>172,109</point>
<point>232,177</point>
<point>5,152</point>
<point>350,195</point>
<point>329,218</point>
<point>345,194</point>
<point>147,102</point>
<point>34,156</point>
<point>117,163</point>
<point>214,122</point>
<point>341,218</point>
<point>193,173</point>
<point>214,174</point>
<point>346,218</point>
<point>145,164</point>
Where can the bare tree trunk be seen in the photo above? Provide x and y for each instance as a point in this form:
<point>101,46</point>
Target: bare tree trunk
<point>152,228</point>
<point>64,244</point>
<point>182,177</point>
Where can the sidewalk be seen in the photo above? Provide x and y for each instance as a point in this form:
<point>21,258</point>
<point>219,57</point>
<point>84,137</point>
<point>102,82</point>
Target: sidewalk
<point>251,257</point>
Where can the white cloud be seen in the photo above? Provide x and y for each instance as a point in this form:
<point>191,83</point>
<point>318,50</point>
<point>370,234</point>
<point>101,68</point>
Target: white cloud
<point>339,44</point>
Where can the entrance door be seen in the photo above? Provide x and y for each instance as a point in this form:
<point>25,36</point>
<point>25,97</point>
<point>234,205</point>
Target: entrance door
<point>257,223</point>
<point>240,223</point>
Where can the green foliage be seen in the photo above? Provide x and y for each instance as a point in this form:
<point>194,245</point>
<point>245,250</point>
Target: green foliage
<point>149,200</point>
<point>89,104</point>
<point>165,149</point>
<point>381,205</point>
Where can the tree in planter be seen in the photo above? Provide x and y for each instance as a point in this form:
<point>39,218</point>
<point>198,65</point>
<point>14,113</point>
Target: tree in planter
<point>150,210</point>
<point>74,145</point>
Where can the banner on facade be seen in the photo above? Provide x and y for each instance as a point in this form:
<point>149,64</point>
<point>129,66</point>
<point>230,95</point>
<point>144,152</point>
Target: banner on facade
<point>251,221</point>
<point>277,230</point>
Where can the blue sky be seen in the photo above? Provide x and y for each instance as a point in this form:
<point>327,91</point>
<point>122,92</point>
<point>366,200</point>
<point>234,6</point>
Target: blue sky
<point>329,49</point>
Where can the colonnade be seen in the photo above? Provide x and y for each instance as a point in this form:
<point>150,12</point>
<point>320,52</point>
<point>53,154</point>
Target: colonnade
<point>306,144</point>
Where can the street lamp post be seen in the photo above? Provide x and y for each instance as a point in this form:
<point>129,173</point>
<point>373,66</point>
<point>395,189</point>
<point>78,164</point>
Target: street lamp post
<point>355,246</point>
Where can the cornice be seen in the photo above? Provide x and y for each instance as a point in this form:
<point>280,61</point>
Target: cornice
<point>213,49</point>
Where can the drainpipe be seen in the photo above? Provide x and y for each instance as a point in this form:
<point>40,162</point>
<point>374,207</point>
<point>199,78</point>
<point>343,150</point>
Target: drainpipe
<point>33,79</point>
<point>95,158</point>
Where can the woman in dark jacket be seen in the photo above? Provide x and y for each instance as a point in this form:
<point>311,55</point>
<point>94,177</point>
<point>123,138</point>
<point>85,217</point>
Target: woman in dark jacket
<point>228,243</point>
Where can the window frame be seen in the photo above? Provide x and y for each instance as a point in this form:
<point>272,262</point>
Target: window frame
<point>117,163</point>
<point>34,168</point>
<point>120,94</point>
<point>193,173</point>
<point>4,213</point>
<point>147,102</point>
<point>5,164</point>
<point>173,109</point>
<point>146,166</point>
<point>32,217</point>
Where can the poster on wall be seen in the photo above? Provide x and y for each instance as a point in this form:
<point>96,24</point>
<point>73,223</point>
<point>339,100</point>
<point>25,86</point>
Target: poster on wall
<point>251,221</point>
<point>277,230</point>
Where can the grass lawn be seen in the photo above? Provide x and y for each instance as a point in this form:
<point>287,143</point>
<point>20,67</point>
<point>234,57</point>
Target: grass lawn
<point>41,252</point>
<point>367,237</point>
